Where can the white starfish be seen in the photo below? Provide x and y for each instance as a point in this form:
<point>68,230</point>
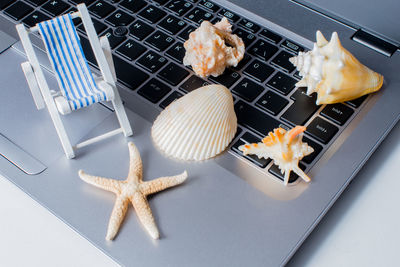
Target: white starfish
<point>133,189</point>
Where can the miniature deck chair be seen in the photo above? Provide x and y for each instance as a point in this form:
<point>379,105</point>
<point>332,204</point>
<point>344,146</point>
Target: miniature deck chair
<point>79,87</point>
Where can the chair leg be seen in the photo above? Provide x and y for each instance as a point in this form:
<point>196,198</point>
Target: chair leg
<point>62,134</point>
<point>121,114</point>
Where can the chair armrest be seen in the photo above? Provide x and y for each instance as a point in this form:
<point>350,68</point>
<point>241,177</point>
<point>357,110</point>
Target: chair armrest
<point>33,84</point>
<point>105,46</point>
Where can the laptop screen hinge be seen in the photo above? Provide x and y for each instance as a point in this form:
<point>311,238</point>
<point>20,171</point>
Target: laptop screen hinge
<point>374,43</point>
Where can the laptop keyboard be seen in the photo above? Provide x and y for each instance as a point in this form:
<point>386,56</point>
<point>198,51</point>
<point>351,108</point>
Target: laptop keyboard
<point>147,41</point>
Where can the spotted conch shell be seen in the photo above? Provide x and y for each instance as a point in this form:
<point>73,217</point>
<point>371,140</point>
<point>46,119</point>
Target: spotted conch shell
<point>197,126</point>
<point>334,73</point>
<point>207,52</point>
<point>285,148</point>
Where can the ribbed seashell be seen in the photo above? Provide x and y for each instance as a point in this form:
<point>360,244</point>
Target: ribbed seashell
<point>197,126</point>
<point>334,73</point>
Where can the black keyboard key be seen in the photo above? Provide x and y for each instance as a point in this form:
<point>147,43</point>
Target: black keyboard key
<point>243,62</point>
<point>119,18</point>
<point>152,61</point>
<point>131,50</point>
<point>229,15</point>
<point>184,35</point>
<point>5,3</point>
<point>193,83</point>
<point>101,9</point>
<point>159,40</point>
<point>55,7</point>
<point>248,138</point>
<point>321,130</point>
<point>297,74</point>
<point>172,24</point>
<point>113,39</point>
<point>34,18</point>
<point>179,7</point>
<point>317,149</point>
<point>160,2</point>
<point>87,50</point>
<point>173,74</point>
<point>282,83</point>
<point>357,102</point>
<point>129,75</point>
<point>177,52</point>
<point>18,10</point>
<point>154,90</point>
<point>247,89</point>
<point>282,61</point>
<point>271,36</point>
<point>152,14</point>
<point>249,25</point>
<point>133,5</point>
<point>247,37</point>
<point>277,172</point>
<point>271,102</point>
<point>255,119</point>
<point>98,26</point>
<point>301,92</point>
<point>292,46</point>
<point>171,98</point>
<point>71,10</point>
<point>33,2</point>
<point>140,30</point>
<point>228,78</point>
<point>338,113</point>
<point>198,15</point>
<point>258,70</point>
<point>302,109</point>
<point>86,2</point>
<point>209,5</point>
<point>263,50</point>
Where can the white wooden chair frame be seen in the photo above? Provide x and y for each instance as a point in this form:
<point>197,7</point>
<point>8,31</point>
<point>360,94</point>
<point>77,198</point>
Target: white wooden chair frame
<point>43,96</point>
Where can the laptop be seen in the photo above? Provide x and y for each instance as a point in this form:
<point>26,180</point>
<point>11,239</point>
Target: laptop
<point>232,210</point>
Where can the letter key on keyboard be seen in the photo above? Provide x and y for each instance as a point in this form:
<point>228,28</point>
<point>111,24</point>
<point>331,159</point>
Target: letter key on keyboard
<point>302,109</point>
<point>255,119</point>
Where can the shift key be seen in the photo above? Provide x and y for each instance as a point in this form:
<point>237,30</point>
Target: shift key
<point>302,109</point>
<point>255,119</point>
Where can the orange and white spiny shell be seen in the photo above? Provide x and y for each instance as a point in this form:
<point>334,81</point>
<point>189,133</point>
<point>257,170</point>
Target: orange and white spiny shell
<point>285,148</point>
<point>334,73</point>
<point>197,126</point>
<point>206,49</point>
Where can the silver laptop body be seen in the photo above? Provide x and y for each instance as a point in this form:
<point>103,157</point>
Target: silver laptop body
<point>229,212</point>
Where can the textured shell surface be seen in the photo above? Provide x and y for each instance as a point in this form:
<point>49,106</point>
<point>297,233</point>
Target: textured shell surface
<point>285,148</point>
<point>334,73</point>
<point>197,126</point>
<point>212,48</point>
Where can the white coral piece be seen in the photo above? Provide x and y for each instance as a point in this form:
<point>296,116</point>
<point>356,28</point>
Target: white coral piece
<point>285,148</point>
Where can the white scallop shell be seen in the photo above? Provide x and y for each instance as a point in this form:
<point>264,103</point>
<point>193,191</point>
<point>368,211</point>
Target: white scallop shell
<point>198,126</point>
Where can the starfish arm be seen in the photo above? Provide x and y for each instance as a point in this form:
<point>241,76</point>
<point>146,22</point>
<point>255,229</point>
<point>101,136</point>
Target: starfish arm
<point>300,173</point>
<point>117,216</point>
<point>103,183</point>
<point>286,178</point>
<point>135,163</point>
<point>143,211</point>
<point>162,183</point>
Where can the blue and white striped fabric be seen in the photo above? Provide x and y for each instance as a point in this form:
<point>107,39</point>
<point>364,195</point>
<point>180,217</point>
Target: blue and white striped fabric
<point>69,63</point>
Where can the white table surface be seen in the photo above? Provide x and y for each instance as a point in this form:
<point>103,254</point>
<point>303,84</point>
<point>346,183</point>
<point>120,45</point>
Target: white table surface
<point>362,228</point>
